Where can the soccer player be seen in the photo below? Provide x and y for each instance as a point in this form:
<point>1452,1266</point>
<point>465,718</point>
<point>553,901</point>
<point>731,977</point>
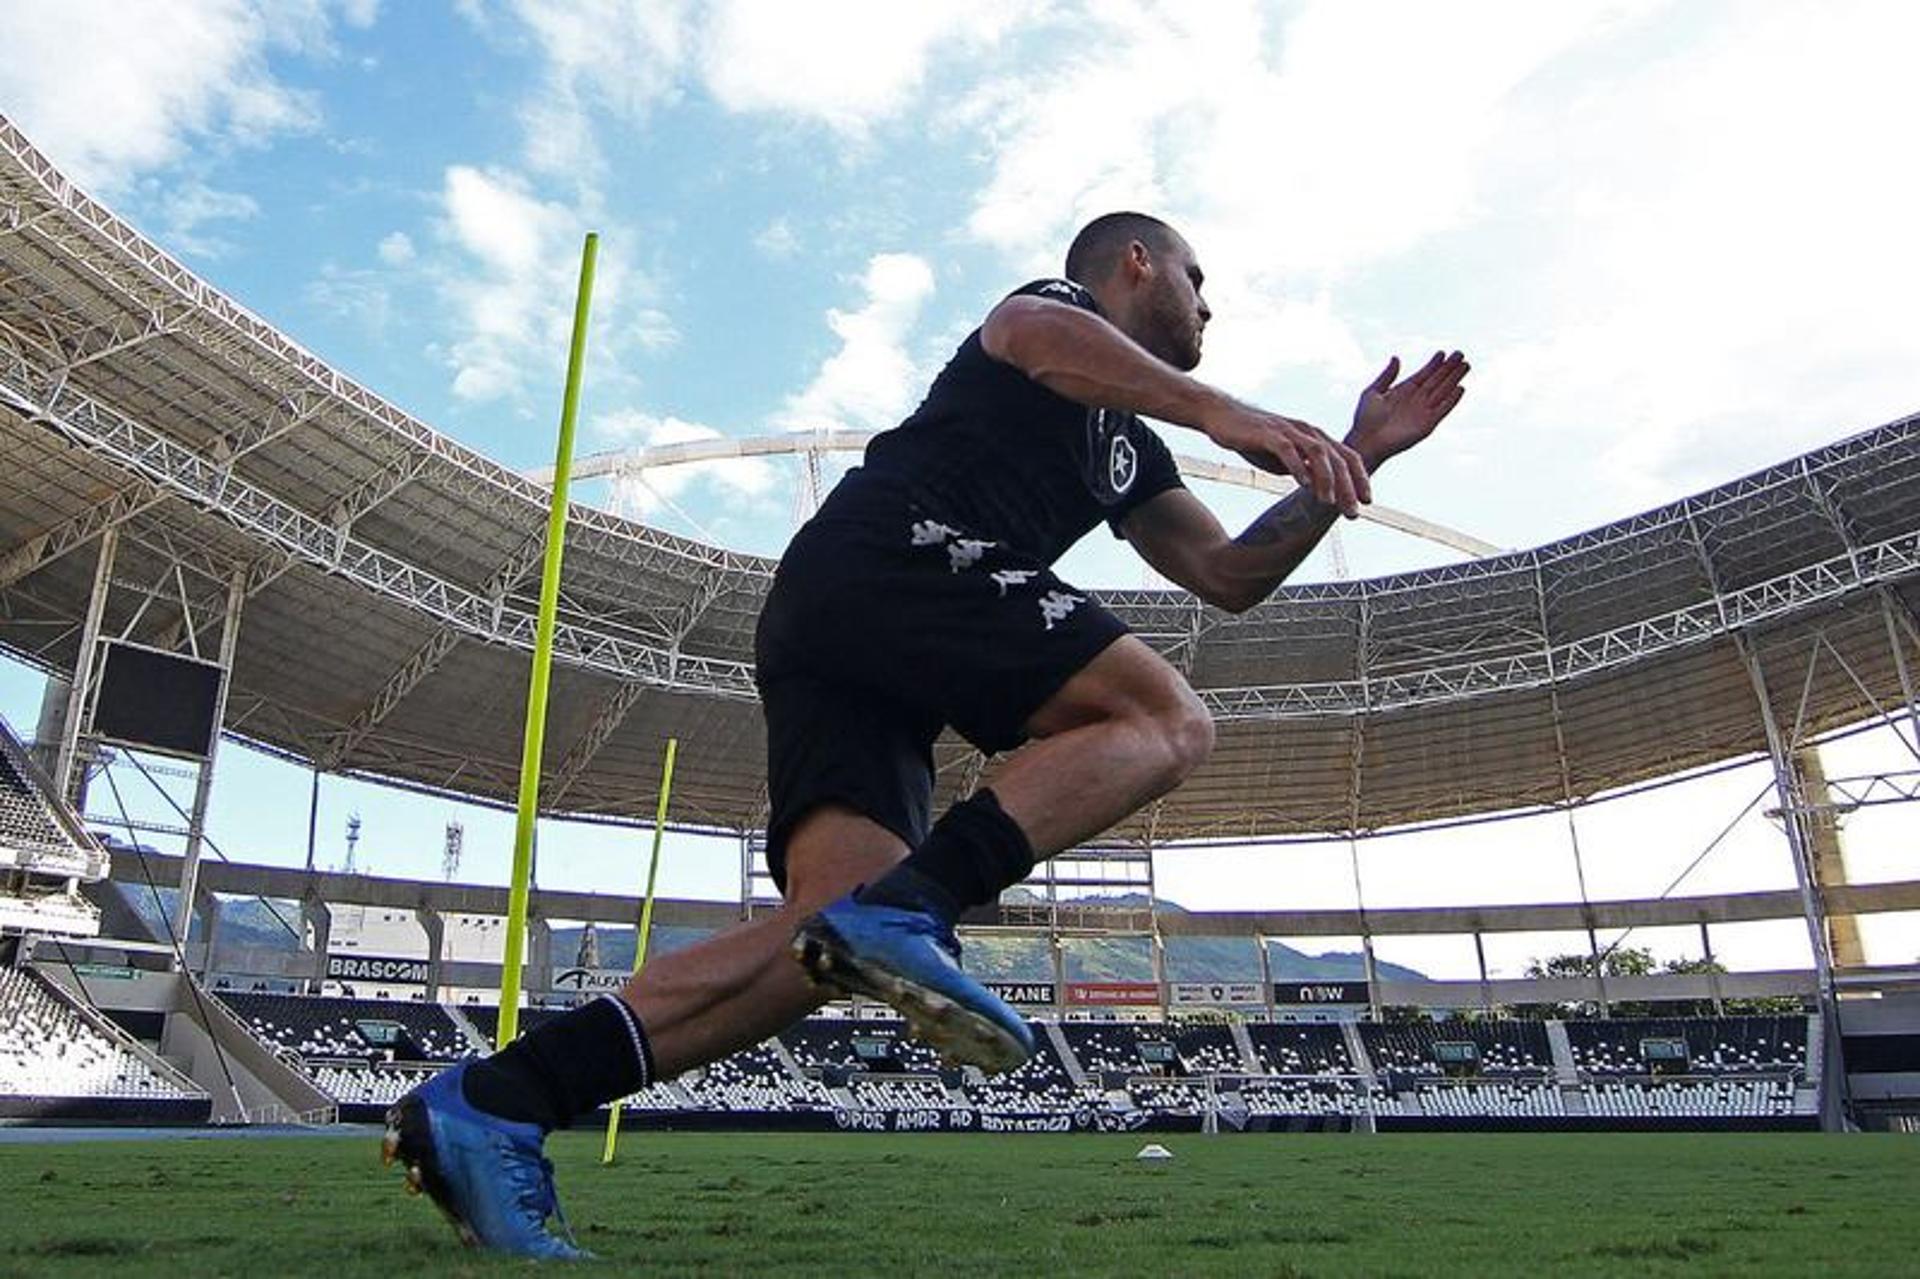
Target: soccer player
<point>920,597</point>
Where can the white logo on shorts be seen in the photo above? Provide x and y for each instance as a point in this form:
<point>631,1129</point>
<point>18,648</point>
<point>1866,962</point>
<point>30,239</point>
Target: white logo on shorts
<point>932,533</point>
<point>1122,464</point>
<point>1013,577</point>
<point>1055,605</point>
<point>966,552</point>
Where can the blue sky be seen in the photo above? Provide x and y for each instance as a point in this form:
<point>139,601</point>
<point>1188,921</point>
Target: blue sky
<point>1671,236</point>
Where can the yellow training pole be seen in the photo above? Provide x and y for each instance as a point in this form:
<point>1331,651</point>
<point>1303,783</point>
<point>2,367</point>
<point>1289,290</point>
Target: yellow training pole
<point>646,921</point>
<point>542,664</point>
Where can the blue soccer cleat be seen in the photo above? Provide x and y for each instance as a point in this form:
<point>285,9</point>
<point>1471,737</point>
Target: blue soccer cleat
<point>487,1174</point>
<point>911,960</point>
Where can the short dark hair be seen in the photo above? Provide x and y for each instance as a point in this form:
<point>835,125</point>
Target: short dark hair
<point>1096,250</point>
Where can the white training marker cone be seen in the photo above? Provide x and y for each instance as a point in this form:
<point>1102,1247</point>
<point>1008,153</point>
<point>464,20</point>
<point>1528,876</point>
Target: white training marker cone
<point>1154,1153</point>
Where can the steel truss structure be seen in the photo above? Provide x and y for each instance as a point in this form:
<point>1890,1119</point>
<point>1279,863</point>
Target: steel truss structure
<point>386,592</point>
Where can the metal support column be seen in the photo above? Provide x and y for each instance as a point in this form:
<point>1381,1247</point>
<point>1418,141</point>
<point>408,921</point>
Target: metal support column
<point>1366,933</point>
<point>435,928</point>
<point>1900,666</point>
<point>1486,988</point>
<point>1793,818</point>
<point>1266,977</point>
<point>320,919</point>
<point>1566,786</point>
<point>1713,970</point>
<point>1057,951</point>
<point>65,784</point>
<point>313,817</point>
<point>203,784</point>
<point>1586,910</point>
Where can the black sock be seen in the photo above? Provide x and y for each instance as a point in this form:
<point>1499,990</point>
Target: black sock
<point>970,855</point>
<point>565,1067</point>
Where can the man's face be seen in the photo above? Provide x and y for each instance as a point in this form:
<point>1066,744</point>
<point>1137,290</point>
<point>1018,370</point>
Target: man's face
<point>1175,313</point>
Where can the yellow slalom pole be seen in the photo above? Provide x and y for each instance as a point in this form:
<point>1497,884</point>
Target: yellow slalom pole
<point>536,727</point>
<point>646,921</point>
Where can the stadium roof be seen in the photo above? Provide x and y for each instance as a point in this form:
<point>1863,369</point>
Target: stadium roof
<point>390,574</point>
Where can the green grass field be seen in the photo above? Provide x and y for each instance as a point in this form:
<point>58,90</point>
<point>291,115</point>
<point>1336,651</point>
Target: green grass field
<point>845,1204</point>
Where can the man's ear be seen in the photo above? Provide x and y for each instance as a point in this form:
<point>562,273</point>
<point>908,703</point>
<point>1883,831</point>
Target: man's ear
<point>1139,261</point>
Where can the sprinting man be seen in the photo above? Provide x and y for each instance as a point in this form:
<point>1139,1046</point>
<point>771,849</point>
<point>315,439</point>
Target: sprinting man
<point>921,597</point>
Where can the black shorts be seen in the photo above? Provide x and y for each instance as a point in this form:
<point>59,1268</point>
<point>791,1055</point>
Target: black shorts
<point>878,633</point>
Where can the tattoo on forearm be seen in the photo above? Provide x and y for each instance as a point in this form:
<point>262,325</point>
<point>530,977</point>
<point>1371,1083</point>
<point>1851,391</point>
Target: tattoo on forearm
<point>1299,514</point>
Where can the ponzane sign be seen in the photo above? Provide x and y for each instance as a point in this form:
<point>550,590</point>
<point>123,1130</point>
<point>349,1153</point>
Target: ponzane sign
<point>378,969</point>
<point>1022,992</point>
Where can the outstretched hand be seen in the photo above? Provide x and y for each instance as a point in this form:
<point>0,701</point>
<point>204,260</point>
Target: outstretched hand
<point>1393,417</point>
<point>1333,472</point>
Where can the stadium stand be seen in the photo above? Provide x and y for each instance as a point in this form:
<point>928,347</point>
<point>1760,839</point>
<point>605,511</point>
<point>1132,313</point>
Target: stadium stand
<point>1490,1099</point>
<point>27,822</point>
<point>51,1048</point>
<point>1041,1086</point>
<point>368,1083</point>
<point>1450,1074</point>
<point>899,1092</point>
<point>1208,1050</point>
<point>1715,1045</point>
<point>1693,1098</point>
<point>753,1080</point>
<point>1110,1050</point>
<point>1281,1096</point>
<point>351,1029</point>
<point>44,852</point>
<point>486,1018</point>
<point>1499,1047</point>
<point>823,1044</point>
<point>1294,1048</point>
<point>1170,1096</point>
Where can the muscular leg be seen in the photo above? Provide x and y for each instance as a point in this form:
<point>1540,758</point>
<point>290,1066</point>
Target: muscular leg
<point>1122,732</point>
<point>741,985</point>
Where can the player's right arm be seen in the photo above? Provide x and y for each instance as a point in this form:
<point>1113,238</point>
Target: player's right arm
<point>1078,354</point>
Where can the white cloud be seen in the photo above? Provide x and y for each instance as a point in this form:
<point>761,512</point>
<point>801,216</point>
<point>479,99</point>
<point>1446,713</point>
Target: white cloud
<point>619,56</point>
<point>110,97</point>
<point>653,330</point>
<point>359,297</point>
<point>1723,276</point>
<point>847,65</point>
<point>1294,154</point>
<point>187,208</point>
<point>509,272</point>
<point>513,300</point>
<point>777,239</point>
<point>1674,239</point>
<point>871,381</point>
<point>396,249</point>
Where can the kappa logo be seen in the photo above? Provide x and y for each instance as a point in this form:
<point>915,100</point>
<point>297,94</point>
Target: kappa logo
<point>1123,463</point>
<point>932,532</point>
<point>1055,605</point>
<point>1013,577</point>
<point>965,552</point>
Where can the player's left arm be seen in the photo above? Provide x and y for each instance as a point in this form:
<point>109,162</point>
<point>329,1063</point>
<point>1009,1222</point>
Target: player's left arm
<point>1185,543</point>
